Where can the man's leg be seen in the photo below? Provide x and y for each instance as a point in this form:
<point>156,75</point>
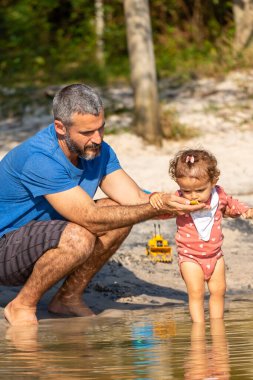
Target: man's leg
<point>68,300</point>
<point>75,246</point>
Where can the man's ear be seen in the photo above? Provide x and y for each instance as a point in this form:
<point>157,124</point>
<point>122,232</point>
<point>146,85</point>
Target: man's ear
<point>59,128</point>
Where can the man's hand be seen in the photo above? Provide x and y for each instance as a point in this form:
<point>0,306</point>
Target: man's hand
<point>175,205</point>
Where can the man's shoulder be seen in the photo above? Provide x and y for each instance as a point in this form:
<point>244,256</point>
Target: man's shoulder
<point>41,142</point>
<point>44,141</point>
<point>44,145</point>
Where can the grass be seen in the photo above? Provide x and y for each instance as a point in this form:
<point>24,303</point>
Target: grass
<point>174,130</point>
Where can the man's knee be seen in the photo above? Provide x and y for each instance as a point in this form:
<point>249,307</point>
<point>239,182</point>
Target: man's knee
<point>78,241</point>
<point>122,231</point>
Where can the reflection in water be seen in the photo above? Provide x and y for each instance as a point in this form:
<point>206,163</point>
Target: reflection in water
<point>150,344</point>
<point>147,344</point>
<point>208,361</point>
<point>23,338</point>
<point>145,357</point>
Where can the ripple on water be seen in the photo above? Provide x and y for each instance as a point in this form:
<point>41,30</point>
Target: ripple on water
<point>151,344</point>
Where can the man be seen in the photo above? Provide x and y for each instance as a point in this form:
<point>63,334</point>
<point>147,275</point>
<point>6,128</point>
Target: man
<point>50,227</point>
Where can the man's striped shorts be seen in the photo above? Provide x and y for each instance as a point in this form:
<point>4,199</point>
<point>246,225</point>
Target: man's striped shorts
<point>20,249</point>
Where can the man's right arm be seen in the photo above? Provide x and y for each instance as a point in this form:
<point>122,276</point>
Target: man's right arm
<point>76,206</point>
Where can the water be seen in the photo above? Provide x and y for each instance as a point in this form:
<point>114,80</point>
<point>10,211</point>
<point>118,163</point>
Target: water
<point>149,344</point>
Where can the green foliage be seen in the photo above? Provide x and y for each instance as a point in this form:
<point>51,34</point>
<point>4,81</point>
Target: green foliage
<point>48,39</point>
<point>54,41</point>
<point>193,41</point>
<point>173,129</point>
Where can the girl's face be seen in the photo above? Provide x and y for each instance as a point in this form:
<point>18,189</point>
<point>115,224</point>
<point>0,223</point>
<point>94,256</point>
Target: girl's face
<point>196,189</point>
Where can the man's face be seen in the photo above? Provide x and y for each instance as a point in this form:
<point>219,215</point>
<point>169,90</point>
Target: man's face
<point>84,137</point>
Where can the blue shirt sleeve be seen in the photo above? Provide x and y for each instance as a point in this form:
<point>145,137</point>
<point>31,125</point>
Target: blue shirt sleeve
<point>112,163</point>
<point>43,175</point>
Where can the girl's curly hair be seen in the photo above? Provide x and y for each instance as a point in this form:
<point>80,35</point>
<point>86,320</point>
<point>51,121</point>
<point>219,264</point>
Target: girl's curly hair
<point>196,163</point>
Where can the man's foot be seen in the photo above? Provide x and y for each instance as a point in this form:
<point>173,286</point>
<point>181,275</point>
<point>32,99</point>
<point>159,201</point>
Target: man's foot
<point>20,315</point>
<point>77,309</point>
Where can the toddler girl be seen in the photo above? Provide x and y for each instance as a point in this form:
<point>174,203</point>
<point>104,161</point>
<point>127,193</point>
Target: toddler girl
<point>199,236</point>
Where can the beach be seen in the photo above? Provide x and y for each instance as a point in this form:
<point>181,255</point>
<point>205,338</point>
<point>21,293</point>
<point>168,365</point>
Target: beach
<point>221,111</point>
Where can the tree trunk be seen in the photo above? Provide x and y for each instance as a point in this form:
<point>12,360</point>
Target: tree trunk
<point>202,12</point>
<point>198,29</point>
<point>243,16</point>
<point>143,71</point>
<point>100,31</point>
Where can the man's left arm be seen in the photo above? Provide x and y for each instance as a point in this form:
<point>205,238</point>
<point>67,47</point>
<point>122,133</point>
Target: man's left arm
<point>121,188</point>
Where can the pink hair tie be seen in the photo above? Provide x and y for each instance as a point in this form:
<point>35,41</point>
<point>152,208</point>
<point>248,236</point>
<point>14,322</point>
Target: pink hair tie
<point>190,159</point>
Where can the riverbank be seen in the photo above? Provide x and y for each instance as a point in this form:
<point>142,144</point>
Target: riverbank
<point>222,113</point>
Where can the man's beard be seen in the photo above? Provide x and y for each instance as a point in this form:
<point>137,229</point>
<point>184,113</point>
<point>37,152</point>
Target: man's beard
<point>88,152</point>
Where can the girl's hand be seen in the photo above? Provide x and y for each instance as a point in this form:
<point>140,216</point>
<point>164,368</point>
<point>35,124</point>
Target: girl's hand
<point>155,199</point>
<point>248,214</point>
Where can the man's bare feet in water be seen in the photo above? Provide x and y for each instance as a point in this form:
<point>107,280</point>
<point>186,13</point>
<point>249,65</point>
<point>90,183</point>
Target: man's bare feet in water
<point>75,308</point>
<point>17,314</point>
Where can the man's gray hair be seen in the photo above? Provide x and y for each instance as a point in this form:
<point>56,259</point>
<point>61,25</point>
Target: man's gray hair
<point>76,98</point>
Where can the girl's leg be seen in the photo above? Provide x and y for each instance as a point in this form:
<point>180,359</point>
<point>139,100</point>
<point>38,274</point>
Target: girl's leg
<point>195,283</point>
<point>217,288</point>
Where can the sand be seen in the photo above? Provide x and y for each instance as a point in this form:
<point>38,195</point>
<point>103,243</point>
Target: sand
<point>221,110</point>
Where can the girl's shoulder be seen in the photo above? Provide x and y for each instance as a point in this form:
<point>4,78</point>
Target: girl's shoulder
<point>222,195</point>
<point>220,190</point>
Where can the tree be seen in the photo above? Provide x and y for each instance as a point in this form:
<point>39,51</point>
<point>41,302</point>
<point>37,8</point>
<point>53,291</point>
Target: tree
<point>243,15</point>
<point>99,7</point>
<point>143,71</point>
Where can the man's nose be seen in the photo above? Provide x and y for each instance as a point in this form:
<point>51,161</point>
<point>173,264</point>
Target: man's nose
<point>97,137</point>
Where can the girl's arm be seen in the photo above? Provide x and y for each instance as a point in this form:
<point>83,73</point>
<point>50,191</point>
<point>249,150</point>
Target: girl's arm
<point>235,208</point>
<point>248,214</point>
<point>156,201</point>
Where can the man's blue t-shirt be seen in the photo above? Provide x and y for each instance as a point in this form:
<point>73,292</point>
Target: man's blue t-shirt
<point>38,167</point>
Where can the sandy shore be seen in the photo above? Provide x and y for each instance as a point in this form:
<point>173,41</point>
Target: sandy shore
<point>223,117</point>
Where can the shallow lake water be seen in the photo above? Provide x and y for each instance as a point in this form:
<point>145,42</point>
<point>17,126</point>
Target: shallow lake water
<point>151,344</point>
